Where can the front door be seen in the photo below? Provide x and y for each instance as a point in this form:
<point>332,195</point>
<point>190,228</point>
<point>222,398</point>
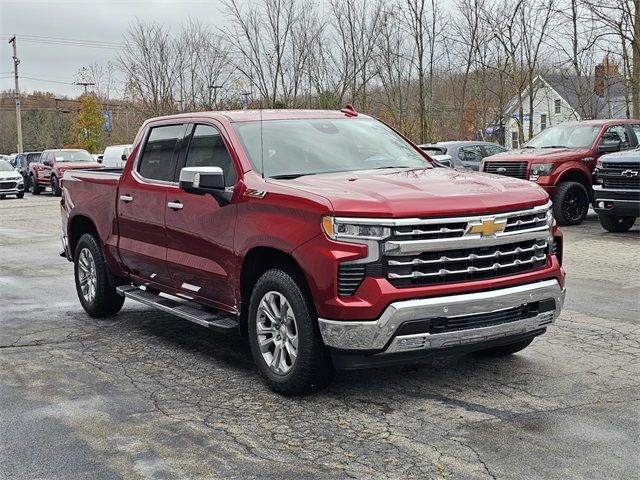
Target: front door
<point>200,231</point>
<point>142,204</point>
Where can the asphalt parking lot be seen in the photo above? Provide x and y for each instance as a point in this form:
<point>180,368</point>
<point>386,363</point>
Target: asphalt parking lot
<point>145,395</point>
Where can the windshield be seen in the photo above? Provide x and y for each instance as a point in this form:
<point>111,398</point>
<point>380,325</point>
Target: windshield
<point>291,148</point>
<point>5,166</point>
<point>569,136</point>
<point>73,156</point>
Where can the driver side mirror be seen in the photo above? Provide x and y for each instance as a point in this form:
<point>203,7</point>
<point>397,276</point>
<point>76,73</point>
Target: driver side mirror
<point>123,157</point>
<point>47,163</point>
<point>202,180</point>
<point>609,146</point>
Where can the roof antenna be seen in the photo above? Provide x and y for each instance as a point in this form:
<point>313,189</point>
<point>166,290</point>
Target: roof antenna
<point>261,142</point>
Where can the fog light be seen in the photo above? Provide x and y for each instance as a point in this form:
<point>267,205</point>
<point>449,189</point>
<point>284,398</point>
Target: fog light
<point>601,204</point>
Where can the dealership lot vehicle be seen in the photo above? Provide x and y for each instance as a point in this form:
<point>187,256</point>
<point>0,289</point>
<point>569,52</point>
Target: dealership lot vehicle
<point>115,156</point>
<point>561,159</point>
<point>433,262</point>
<point>464,154</point>
<point>617,190</point>
<point>11,182</point>
<point>22,162</point>
<point>48,171</point>
<point>141,392</point>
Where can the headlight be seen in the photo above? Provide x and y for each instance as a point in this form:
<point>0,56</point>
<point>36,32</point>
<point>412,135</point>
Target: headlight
<point>598,163</point>
<point>540,170</point>
<point>20,179</point>
<point>338,229</point>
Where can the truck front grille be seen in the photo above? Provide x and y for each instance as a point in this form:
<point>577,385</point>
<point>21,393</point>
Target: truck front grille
<point>631,183</point>
<point>428,252</point>
<point>510,169</point>
<point>466,264</point>
<point>620,175</point>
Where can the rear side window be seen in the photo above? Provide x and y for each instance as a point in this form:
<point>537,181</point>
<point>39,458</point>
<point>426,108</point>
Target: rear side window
<point>158,160</point>
<point>207,149</point>
<point>494,149</point>
<point>33,157</point>
<point>636,130</point>
<point>616,133</point>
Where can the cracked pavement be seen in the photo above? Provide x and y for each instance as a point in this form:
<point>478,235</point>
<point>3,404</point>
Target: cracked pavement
<point>146,395</point>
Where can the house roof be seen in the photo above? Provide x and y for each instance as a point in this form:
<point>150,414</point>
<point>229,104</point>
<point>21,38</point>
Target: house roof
<point>589,105</point>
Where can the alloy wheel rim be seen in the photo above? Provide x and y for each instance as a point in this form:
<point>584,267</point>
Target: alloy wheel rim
<point>575,204</point>
<point>87,275</point>
<point>277,333</point>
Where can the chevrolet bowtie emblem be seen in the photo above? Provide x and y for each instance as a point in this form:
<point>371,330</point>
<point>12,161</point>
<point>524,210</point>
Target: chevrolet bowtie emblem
<point>629,173</point>
<point>488,227</point>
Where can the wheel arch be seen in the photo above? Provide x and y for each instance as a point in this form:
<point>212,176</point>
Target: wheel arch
<point>78,226</point>
<point>255,263</point>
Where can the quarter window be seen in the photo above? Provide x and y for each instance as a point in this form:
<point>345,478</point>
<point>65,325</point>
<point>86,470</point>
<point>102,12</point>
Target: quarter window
<point>207,149</point>
<point>158,160</point>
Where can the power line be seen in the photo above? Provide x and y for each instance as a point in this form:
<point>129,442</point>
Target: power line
<point>70,42</point>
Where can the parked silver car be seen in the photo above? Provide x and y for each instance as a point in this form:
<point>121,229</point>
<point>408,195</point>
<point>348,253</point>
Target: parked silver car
<point>464,154</point>
<point>11,182</point>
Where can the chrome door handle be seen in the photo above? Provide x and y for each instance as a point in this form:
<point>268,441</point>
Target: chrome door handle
<point>126,198</point>
<point>175,205</point>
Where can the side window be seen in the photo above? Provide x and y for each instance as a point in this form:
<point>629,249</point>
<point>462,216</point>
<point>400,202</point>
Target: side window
<point>616,133</point>
<point>494,149</point>
<point>45,156</point>
<point>158,160</point>
<point>470,154</point>
<point>207,149</point>
<point>636,130</point>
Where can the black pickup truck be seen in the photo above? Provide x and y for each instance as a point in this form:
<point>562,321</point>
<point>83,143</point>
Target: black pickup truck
<point>617,190</point>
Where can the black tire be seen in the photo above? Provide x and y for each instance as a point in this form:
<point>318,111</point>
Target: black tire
<point>27,183</point>
<point>570,203</point>
<point>616,223</point>
<point>35,188</point>
<point>2,197</point>
<point>504,350</point>
<point>55,186</point>
<point>105,302</point>
<point>20,195</point>
<point>312,369</point>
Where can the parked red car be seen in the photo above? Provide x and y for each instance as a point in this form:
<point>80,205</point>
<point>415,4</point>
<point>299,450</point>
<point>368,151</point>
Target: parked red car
<point>53,163</point>
<point>326,237</point>
<point>561,159</point>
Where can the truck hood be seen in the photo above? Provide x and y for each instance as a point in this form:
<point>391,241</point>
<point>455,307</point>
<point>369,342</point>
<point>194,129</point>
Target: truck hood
<point>433,192</point>
<point>76,165</point>
<point>539,154</point>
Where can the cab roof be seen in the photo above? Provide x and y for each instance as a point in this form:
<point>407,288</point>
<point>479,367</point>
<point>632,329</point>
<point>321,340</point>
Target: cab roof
<point>236,116</point>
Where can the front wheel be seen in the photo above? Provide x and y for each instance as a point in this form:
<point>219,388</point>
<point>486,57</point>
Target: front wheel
<point>20,195</point>
<point>616,223</point>
<point>284,336</point>
<point>35,188</point>
<point>55,186</point>
<point>570,203</point>
<point>504,350</point>
<point>97,296</point>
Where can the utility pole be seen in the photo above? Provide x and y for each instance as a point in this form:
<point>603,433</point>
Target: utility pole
<point>16,62</point>
<point>85,85</point>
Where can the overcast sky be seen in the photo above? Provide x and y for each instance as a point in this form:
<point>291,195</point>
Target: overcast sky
<point>56,66</point>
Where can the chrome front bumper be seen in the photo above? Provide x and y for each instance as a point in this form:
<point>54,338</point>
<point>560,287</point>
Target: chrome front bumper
<point>380,335</point>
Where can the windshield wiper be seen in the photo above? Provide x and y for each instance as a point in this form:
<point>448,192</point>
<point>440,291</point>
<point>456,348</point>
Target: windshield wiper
<point>528,146</point>
<point>554,146</point>
<point>289,176</point>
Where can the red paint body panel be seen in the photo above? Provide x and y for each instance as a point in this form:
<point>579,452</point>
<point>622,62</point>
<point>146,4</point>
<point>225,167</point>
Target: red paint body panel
<point>198,251</point>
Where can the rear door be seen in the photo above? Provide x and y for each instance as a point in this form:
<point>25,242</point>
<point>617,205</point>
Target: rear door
<point>470,156</point>
<point>200,231</point>
<point>142,204</point>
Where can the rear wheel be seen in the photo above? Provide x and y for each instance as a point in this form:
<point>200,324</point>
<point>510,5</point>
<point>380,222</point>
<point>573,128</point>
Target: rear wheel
<point>284,336</point>
<point>616,223</point>
<point>504,350</point>
<point>35,188</point>
<point>55,186</point>
<point>570,203</point>
<point>97,296</point>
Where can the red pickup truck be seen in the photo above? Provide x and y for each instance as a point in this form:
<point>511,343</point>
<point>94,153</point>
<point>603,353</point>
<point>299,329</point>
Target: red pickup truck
<point>48,171</point>
<point>562,159</point>
<point>327,238</point>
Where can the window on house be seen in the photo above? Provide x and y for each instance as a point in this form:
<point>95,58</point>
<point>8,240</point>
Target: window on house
<point>514,140</point>
<point>543,121</point>
<point>558,106</point>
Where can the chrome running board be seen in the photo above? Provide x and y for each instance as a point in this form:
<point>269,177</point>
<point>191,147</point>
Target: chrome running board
<point>183,309</point>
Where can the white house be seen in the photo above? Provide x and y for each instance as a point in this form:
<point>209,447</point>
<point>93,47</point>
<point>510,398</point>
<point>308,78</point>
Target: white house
<point>556,101</point>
